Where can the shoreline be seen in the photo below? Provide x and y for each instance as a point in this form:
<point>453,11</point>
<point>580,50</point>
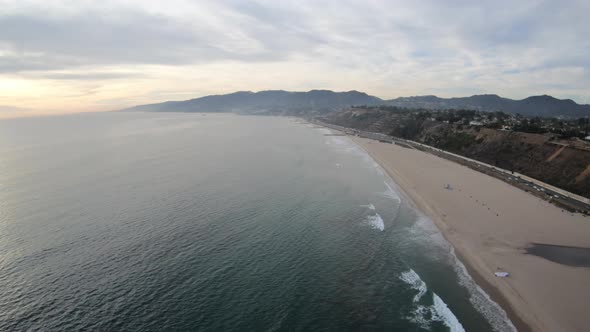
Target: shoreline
<point>419,204</point>
<point>494,294</point>
<point>481,259</point>
<point>559,197</point>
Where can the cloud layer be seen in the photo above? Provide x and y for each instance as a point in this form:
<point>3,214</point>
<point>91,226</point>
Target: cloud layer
<point>96,55</point>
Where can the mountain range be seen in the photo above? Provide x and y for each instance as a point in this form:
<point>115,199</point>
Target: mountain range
<point>266,102</point>
<point>542,106</point>
<point>324,101</point>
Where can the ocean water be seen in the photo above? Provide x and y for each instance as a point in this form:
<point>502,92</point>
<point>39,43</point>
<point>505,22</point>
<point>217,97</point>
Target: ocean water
<point>190,222</point>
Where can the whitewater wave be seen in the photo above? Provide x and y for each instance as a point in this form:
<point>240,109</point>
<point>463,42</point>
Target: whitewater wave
<point>424,315</point>
<point>424,231</point>
<point>481,300</point>
<point>444,314</point>
<point>369,206</point>
<point>424,228</point>
<point>347,146</point>
<point>413,279</point>
<point>376,222</point>
<point>391,193</point>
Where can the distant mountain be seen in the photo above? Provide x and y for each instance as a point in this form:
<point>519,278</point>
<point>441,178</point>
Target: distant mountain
<point>543,106</point>
<point>266,102</point>
<point>324,101</point>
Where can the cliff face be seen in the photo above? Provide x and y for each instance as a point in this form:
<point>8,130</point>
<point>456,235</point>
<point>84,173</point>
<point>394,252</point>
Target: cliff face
<point>562,163</point>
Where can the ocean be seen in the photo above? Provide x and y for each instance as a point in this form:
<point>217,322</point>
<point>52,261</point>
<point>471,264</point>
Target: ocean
<point>216,222</point>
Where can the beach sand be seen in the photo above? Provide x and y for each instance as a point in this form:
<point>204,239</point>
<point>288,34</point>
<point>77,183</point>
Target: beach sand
<point>490,223</point>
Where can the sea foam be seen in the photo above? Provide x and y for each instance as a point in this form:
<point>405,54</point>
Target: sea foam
<point>376,222</point>
<point>425,227</point>
<point>413,279</point>
<point>481,300</point>
<point>425,231</point>
<point>391,193</point>
<point>444,314</point>
<point>438,311</point>
<point>347,146</point>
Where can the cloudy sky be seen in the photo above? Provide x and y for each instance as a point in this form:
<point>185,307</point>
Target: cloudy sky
<point>72,56</point>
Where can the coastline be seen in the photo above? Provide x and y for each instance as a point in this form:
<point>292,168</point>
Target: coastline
<point>486,242</point>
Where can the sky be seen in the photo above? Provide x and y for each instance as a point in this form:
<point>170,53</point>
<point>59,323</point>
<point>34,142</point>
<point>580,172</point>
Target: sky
<point>75,56</point>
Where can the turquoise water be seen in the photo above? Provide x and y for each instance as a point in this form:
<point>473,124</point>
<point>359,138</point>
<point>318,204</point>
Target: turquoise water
<point>190,222</point>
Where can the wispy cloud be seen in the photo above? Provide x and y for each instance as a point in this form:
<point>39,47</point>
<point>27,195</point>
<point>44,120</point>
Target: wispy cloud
<point>388,48</point>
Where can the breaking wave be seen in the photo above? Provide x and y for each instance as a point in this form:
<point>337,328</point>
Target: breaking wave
<point>391,193</point>
<point>481,300</point>
<point>425,231</point>
<point>376,222</point>
<point>424,228</point>
<point>424,315</point>
<point>444,314</point>
<point>413,279</point>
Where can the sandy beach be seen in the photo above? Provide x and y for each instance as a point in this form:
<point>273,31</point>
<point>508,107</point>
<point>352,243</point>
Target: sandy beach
<point>490,224</point>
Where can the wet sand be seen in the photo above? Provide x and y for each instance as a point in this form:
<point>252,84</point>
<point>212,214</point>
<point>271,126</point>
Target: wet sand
<point>572,256</point>
<point>490,224</point>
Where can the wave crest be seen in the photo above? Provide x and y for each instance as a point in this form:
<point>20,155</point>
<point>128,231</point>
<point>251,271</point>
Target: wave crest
<point>424,315</point>
<point>376,222</point>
